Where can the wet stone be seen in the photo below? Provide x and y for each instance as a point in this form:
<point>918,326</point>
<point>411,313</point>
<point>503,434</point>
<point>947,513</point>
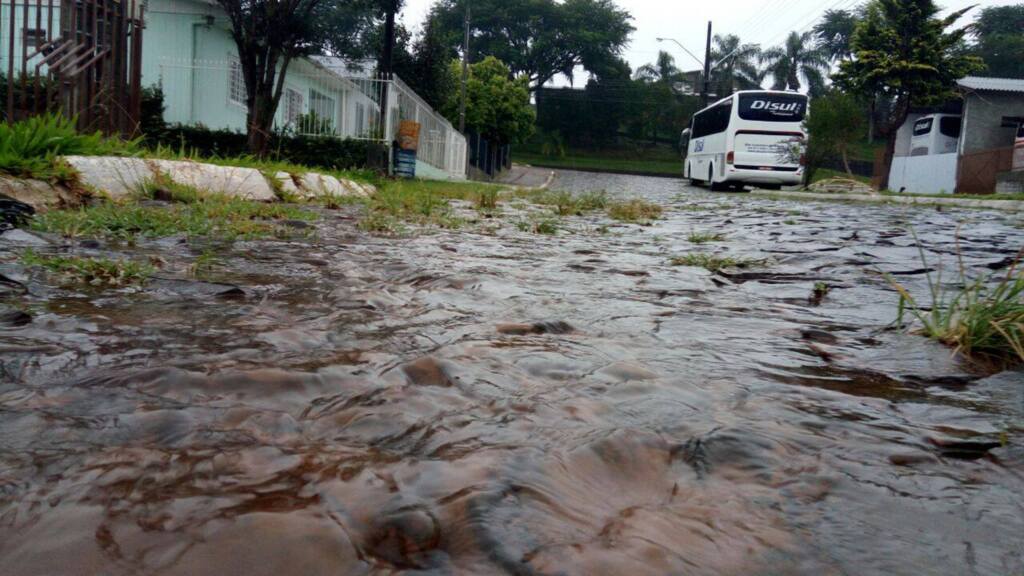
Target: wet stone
<point>427,371</point>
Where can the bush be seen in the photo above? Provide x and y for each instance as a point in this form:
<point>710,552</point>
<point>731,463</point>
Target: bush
<point>30,148</point>
<point>314,151</point>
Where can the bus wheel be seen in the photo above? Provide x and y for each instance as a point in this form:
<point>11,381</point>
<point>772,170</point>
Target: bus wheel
<point>712,185</point>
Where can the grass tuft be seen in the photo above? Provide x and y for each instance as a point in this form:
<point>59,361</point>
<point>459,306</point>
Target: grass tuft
<point>705,237</point>
<point>635,210</point>
<point>712,262</point>
<point>983,319</point>
<point>98,272</point>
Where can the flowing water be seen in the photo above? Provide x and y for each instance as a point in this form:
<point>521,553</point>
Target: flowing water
<point>492,401</point>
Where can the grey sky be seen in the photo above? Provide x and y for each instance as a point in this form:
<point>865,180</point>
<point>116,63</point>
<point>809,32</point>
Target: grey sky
<point>766,22</point>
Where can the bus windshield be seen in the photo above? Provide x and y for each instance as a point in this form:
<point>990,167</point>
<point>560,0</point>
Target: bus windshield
<point>768,107</point>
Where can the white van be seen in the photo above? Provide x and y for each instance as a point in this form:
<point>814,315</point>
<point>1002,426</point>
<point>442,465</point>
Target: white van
<point>751,137</point>
<point>935,134</point>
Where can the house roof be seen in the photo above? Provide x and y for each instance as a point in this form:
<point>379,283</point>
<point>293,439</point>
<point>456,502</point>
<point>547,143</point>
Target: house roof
<point>992,84</point>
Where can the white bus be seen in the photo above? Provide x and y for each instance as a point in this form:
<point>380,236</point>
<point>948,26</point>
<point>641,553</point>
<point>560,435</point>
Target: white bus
<point>751,137</point>
<point>935,134</point>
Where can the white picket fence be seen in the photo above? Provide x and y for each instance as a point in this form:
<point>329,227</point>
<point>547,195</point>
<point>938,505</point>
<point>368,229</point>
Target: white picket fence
<point>318,100</point>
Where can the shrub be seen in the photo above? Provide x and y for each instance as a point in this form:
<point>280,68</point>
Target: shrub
<point>30,148</point>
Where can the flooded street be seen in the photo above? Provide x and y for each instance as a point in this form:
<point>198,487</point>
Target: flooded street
<point>490,400</point>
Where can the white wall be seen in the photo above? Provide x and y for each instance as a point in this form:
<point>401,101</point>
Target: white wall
<point>931,174</point>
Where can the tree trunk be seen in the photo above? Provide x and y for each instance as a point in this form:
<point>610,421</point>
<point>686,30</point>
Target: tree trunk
<point>902,110</point>
<point>871,120</point>
<point>846,160</point>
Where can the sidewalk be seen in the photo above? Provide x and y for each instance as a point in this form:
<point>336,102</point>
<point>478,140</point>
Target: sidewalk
<point>525,176</point>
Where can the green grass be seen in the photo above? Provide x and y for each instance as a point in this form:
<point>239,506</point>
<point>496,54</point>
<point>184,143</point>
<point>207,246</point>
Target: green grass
<point>705,237</point>
<point>712,262</point>
<point>567,203</point>
<point>546,226</point>
<point>634,210</point>
<point>983,319</point>
<point>30,148</point>
<point>213,216</point>
<point>420,202</point>
<point>97,272</point>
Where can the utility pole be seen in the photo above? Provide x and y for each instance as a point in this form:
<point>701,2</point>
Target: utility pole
<point>386,57</point>
<point>465,73</point>
<point>707,70</point>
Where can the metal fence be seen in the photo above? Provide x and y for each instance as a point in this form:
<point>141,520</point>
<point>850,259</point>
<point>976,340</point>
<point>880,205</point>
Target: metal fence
<point>79,57</point>
<point>318,100</point>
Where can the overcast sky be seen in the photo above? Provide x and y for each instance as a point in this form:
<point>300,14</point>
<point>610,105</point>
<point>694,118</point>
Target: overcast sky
<point>765,22</point>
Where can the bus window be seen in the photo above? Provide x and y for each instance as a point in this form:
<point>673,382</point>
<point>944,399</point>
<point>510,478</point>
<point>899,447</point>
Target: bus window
<point>712,121</point>
<point>950,126</point>
<point>773,107</point>
<point>922,127</point>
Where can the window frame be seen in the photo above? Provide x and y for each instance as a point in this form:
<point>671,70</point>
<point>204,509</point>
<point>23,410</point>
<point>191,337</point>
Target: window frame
<point>235,75</point>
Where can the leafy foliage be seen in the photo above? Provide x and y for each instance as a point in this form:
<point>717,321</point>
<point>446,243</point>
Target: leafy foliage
<point>999,40</point>
<point>30,148</point>
<point>837,122</point>
<point>797,58</point>
<point>903,53</point>
<point>739,68</point>
<point>538,39</point>
<point>834,33</point>
<point>497,105</point>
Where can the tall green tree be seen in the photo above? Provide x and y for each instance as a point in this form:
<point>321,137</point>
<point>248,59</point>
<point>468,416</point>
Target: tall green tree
<point>999,40</point>
<point>739,70</point>
<point>270,34</point>
<point>836,123</point>
<point>497,104</point>
<point>797,58</point>
<point>538,39</point>
<point>834,32</point>
<point>903,52</point>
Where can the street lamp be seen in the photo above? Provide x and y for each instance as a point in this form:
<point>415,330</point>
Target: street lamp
<point>677,43</point>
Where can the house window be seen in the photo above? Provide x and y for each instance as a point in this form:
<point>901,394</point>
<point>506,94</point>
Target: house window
<point>322,106</point>
<point>236,85</point>
<point>292,106</point>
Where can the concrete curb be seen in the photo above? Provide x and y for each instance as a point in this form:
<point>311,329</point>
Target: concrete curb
<point>1010,205</point>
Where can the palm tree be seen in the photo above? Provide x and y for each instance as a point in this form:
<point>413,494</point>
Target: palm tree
<point>740,71</point>
<point>797,57</point>
<point>662,70</point>
<point>833,33</point>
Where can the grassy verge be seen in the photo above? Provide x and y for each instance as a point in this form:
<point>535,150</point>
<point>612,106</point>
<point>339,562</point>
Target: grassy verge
<point>97,272</point>
<point>189,212</point>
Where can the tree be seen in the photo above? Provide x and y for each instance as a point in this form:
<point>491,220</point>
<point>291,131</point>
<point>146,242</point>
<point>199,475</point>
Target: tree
<point>902,52</point>
<point>663,70</point>
<point>740,70</point>
<point>796,58</point>
<point>836,122</point>
<point>999,40</point>
<point>497,105</point>
<point>538,39</point>
<point>269,35</point>
<point>833,32</point>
